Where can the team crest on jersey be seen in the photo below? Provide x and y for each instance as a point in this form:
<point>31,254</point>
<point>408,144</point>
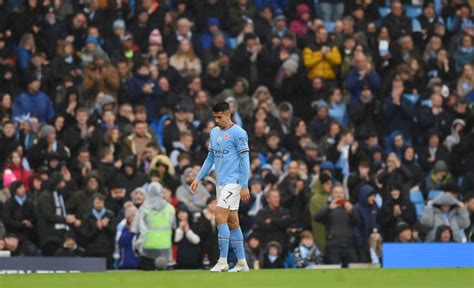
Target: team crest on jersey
<point>219,139</point>
<point>226,136</point>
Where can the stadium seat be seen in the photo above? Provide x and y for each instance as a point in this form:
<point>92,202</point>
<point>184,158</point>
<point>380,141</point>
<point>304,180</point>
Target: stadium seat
<point>329,26</point>
<point>232,42</point>
<point>417,199</point>
<point>413,11</point>
<point>434,193</point>
<point>384,11</point>
<point>290,261</point>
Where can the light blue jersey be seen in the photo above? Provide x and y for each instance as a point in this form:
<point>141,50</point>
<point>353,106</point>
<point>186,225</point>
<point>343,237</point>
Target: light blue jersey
<point>227,145</point>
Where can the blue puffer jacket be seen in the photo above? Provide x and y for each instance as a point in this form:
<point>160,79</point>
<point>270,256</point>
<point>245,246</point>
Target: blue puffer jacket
<point>37,104</point>
<point>138,97</point>
<point>368,214</point>
<point>128,259</point>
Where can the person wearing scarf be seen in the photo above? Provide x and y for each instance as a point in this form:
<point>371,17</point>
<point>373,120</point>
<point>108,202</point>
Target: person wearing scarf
<point>98,230</point>
<point>18,212</point>
<point>52,220</point>
<point>153,226</point>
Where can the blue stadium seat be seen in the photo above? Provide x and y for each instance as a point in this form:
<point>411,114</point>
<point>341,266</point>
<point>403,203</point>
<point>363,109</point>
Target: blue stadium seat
<point>413,11</point>
<point>290,261</point>
<point>232,42</point>
<point>384,11</point>
<point>330,26</point>
<point>434,193</point>
<point>417,199</point>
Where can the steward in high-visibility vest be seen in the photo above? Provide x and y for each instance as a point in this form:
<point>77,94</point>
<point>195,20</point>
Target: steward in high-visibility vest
<point>154,224</point>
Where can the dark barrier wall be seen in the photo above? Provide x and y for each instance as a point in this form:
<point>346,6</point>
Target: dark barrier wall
<point>15,265</point>
<point>428,255</point>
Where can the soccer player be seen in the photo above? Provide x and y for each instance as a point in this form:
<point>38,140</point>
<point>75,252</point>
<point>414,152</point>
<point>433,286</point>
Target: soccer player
<point>229,151</point>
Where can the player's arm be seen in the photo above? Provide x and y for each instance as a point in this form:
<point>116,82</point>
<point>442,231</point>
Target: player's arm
<point>204,170</point>
<point>243,147</point>
<point>244,175</point>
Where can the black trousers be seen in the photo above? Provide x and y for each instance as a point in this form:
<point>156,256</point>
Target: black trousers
<point>342,256</point>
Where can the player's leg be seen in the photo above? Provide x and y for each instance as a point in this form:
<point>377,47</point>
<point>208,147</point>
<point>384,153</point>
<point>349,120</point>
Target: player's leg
<point>237,240</point>
<point>223,232</point>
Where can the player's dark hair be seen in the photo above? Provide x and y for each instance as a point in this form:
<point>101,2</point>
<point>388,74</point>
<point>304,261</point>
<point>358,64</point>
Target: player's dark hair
<point>221,107</point>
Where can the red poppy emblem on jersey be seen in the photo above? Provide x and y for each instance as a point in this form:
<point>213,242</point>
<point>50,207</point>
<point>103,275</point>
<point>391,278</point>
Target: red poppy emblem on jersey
<point>226,136</point>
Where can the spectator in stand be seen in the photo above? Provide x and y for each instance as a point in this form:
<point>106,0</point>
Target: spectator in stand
<point>444,234</point>
<point>51,215</point>
<point>319,197</point>
<point>253,251</point>
<point>320,57</point>
<point>70,248</point>
<point>340,221</point>
<point>396,21</point>
<point>272,222</point>
<point>128,258</point>
<point>361,75</point>
<point>469,203</point>
<point>100,76</point>
<point>98,230</point>
<point>16,167</point>
<point>368,211</point>
<point>272,258</point>
<point>194,202</point>
<point>307,254</point>
<point>207,231</point>
<point>34,101</point>
<point>403,233</point>
<point>18,213</point>
<point>395,209</point>
<point>185,60</point>
<point>188,255</point>
<point>446,210</point>
<point>238,13</point>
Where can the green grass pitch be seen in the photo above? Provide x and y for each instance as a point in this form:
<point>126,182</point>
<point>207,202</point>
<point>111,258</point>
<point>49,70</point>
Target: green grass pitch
<point>363,278</point>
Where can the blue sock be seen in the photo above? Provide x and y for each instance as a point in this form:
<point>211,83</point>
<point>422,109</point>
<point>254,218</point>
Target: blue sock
<point>223,235</point>
<point>237,243</point>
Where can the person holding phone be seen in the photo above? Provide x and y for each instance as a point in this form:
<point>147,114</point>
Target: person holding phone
<point>340,218</point>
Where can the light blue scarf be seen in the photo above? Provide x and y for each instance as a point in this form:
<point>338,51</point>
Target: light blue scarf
<point>98,214</point>
<point>21,199</point>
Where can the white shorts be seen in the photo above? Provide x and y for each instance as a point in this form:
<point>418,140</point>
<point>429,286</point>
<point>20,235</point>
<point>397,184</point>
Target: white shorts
<point>228,196</point>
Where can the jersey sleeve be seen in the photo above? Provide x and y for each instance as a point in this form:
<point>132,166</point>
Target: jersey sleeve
<point>242,142</point>
<point>209,147</point>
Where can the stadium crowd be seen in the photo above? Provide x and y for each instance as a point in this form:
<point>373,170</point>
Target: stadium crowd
<point>360,115</point>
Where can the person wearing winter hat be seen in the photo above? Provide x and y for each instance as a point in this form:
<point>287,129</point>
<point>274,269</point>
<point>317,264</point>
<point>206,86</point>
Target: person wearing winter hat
<point>439,176</point>
<point>155,38</point>
<point>119,24</point>
<point>403,233</point>
<point>302,19</point>
<point>91,51</point>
